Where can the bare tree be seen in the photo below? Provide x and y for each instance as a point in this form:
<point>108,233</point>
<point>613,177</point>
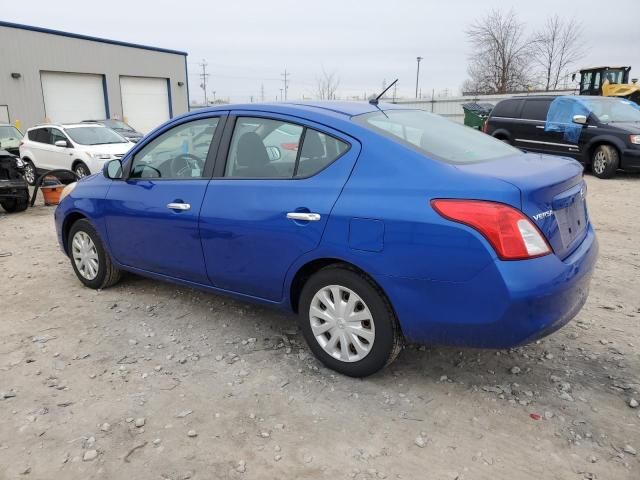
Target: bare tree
<point>555,48</point>
<point>327,85</point>
<point>501,57</point>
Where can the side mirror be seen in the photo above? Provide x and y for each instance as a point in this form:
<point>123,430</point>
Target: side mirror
<point>61,143</point>
<point>580,119</point>
<point>274,153</point>
<point>112,170</point>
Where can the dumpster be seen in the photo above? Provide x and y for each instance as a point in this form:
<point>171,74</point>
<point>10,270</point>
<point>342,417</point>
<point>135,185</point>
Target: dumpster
<point>476,113</point>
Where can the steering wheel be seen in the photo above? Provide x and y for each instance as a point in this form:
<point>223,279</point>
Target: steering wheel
<point>183,164</point>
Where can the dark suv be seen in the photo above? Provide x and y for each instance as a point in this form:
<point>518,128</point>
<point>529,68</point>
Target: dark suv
<point>607,135</point>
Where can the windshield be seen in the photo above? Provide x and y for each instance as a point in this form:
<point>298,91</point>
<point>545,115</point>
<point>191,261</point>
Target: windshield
<point>612,111</point>
<point>94,135</point>
<point>7,132</point>
<point>435,136</point>
<point>117,125</point>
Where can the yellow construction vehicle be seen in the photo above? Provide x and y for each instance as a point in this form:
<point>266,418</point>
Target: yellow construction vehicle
<point>609,82</point>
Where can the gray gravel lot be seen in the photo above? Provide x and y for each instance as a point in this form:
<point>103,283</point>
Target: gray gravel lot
<point>147,380</point>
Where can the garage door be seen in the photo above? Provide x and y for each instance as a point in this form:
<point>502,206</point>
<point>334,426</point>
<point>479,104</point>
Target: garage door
<point>145,102</point>
<point>73,97</point>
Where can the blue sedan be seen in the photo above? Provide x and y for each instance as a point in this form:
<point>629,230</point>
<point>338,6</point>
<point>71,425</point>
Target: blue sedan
<point>376,224</point>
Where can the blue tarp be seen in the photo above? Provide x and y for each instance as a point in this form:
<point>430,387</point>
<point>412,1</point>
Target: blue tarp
<point>562,110</point>
<point>560,117</point>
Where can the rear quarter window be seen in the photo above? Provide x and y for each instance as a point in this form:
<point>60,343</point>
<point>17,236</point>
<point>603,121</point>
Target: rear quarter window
<point>507,108</point>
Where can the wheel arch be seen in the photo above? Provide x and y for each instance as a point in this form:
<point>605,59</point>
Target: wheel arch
<point>597,142</point>
<point>305,271</point>
<point>69,220</point>
<point>501,134</point>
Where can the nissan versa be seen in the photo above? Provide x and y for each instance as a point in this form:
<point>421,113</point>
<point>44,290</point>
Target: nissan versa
<point>386,225</point>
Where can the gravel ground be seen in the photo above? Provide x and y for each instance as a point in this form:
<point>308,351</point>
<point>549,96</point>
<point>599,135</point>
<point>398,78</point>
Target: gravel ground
<point>151,381</point>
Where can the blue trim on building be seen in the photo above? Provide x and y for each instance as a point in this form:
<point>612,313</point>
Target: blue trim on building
<point>106,97</point>
<point>186,81</point>
<point>170,98</point>
<point>89,38</point>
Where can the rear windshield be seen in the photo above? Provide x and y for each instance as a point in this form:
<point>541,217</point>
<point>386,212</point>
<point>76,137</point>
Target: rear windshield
<point>435,136</point>
<point>94,135</point>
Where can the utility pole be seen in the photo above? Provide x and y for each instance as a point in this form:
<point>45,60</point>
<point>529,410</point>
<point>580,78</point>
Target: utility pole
<point>214,95</point>
<point>281,95</point>
<point>285,76</point>
<point>204,76</point>
<point>418,74</point>
<point>262,93</point>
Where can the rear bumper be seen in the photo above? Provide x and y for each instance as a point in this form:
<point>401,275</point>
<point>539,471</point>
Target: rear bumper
<point>507,304</point>
<point>631,159</point>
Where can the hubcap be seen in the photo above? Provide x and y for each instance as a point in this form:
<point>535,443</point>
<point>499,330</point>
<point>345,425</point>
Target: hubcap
<point>342,323</point>
<point>29,173</point>
<point>85,255</point>
<point>599,161</point>
<point>81,171</point>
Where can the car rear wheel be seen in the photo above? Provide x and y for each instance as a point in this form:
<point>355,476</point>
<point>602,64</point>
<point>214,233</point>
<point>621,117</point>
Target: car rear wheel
<point>30,173</point>
<point>81,170</point>
<point>605,161</point>
<point>13,205</point>
<point>348,322</point>
<point>89,259</point>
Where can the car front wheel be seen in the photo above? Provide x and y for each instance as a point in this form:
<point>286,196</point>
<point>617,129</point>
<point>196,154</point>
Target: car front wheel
<point>18,204</point>
<point>348,322</point>
<point>81,170</point>
<point>604,162</point>
<point>30,173</point>
<point>89,259</point>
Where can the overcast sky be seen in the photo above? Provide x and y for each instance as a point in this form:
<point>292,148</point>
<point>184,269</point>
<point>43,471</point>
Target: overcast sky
<point>250,43</point>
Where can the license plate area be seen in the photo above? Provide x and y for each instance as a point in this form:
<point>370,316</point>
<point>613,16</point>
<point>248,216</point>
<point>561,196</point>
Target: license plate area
<point>572,220</point>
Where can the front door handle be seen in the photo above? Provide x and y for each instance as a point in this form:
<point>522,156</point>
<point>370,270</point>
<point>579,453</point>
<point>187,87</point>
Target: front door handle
<point>178,206</point>
<point>540,126</point>
<point>303,216</point>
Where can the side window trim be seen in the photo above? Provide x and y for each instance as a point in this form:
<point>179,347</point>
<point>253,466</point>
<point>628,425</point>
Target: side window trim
<point>212,154</point>
<point>225,145</point>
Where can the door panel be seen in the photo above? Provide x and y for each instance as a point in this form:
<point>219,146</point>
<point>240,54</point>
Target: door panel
<point>152,217</point>
<point>248,240</point>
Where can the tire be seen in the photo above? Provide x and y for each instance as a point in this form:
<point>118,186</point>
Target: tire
<point>18,204</point>
<point>30,172</point>
<point>379,324</point>
<point>605,161</point>
<point>106,273</point>
<point>81,169</point>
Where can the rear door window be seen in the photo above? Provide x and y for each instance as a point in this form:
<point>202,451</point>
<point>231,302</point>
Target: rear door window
<point>40,135</point>
<point>507,108</point>
<point>535,109</point>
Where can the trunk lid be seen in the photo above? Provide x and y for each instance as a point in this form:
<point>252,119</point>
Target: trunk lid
<point>552,193</point>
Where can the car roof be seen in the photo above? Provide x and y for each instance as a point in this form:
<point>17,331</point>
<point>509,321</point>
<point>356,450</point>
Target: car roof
<point>344,108</point>
<point>68,125</point>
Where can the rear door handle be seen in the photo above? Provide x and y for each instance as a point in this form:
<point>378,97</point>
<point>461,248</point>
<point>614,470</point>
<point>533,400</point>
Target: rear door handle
<point>178,206</point>
<point>304,216</point>
<point>540,126</point>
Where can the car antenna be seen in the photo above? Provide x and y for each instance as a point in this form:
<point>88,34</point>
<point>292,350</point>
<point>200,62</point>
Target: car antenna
<point>374,101</point>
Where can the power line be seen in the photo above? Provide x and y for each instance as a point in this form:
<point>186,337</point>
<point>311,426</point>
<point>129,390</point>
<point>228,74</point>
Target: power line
<point>204,76</point>
<point>286,83</point>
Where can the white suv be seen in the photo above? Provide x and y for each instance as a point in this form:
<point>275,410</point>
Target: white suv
<point>83,148</point>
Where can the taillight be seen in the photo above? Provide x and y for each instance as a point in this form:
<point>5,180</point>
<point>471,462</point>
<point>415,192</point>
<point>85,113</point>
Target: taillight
<point>507,229</point>
<point>485,126</point>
